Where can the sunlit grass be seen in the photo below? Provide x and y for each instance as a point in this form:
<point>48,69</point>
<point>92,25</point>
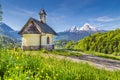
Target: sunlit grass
<point>65,53</point>
<point>109,56</point>
<point>30,65</point>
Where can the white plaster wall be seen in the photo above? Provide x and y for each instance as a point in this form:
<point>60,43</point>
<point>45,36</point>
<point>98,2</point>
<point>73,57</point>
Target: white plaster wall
<point>44,39</point>
<point>31,40</point>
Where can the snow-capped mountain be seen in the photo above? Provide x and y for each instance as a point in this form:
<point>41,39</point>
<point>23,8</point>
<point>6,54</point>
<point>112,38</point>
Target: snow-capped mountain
<point>88,27</point>
<point>77,33</point>
<point>8,31</point>
<point>73,29</point>
<point>85,27</point>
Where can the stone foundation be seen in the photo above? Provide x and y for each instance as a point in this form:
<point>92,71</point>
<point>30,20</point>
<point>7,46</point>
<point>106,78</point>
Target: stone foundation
<point>30,47</point>
<point>48,47</point>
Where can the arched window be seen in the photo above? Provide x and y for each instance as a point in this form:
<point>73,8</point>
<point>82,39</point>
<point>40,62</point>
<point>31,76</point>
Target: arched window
<point>48,40</point>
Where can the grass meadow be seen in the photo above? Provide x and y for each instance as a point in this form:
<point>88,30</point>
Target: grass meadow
<point>109,56</point>
<point>30,65</point>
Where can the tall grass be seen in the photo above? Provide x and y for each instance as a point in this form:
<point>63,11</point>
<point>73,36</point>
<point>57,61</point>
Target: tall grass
<point>109,56</point>
<point>29,65</point>
<point>64,53</point>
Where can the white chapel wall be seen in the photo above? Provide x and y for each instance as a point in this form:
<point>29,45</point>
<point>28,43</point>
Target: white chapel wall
<point>44,39</point>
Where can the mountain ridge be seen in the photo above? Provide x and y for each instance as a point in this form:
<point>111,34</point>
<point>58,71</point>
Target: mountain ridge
<point>8,31</point>
<point>85,27</point>
<point>76,33</point>
<point>99,42</point>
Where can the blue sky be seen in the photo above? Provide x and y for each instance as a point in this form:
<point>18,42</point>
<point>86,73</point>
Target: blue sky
<point>63,14</point>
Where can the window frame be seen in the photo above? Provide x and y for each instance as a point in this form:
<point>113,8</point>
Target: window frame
<point>48,40</point>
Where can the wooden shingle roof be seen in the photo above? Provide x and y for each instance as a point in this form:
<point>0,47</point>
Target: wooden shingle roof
<point>42,26</point>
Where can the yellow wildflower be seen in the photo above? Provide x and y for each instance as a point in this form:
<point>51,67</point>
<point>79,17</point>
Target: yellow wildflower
<point>41,71</point>
<point>17,57</point>
<point>40,76</point>
<point>16,67</point>
<point>54,77</point>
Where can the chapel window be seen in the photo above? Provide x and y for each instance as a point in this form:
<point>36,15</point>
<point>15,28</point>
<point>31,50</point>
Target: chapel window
<point>48,40</point>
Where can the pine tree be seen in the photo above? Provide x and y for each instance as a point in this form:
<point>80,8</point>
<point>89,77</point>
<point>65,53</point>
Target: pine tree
<point>1,12</point>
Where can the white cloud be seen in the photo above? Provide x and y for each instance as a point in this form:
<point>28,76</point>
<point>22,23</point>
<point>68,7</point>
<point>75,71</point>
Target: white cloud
<point>23,12</point>
<point>107,19</point>
<point>106,23</point>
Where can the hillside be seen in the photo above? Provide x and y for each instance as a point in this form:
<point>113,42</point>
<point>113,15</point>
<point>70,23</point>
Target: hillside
<point>7,42</point>
<point>77,33</point>
<point>75,36</point>
<point>8,31</point>
<point>108,42</point>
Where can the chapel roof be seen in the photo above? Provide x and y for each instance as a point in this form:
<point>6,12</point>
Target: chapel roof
<point>42,26</point>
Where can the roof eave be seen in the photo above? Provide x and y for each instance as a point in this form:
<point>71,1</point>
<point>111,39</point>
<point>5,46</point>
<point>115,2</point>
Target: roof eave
<point>30,19</point>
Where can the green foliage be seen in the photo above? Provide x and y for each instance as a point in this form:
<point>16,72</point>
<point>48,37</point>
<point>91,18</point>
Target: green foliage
<point>30,65</point>
<point>108,42</point>
<point>7,42</point>
<point>65,53</point>
<point>69,45</point>
<point>60,44</point>
<point>109,56</point>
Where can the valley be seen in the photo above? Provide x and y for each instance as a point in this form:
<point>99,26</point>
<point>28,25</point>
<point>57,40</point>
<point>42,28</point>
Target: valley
<point>39,42</point>
<point>77,33</point>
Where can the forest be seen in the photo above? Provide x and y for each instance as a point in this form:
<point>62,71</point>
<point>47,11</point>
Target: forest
<point>7,42</point>
<point>29,65</point>
<point>108,43</point>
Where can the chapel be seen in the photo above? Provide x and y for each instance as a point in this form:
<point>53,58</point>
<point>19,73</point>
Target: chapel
<point>37,34</point>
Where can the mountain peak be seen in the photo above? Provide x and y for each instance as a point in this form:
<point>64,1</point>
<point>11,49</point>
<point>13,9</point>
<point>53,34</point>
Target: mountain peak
<point>8,31</point>
<point>73,29</point>
<point>87,24</point>
<point>77,33</point>
<point>5,28</point>
<point>88,27</point>
<point>85,27</point>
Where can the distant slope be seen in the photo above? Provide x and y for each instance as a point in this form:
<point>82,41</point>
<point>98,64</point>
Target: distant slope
<point>76,33</point>
<point>8,31</point>
<point>7,42</point>
<point>75,36</point>
<point>108,42</point>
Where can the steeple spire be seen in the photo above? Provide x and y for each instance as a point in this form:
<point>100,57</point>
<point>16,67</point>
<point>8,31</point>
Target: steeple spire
<point>1,12</point>
<point>42,15</point>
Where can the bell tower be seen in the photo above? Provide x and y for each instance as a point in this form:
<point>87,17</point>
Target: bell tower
<point>42,15</point>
